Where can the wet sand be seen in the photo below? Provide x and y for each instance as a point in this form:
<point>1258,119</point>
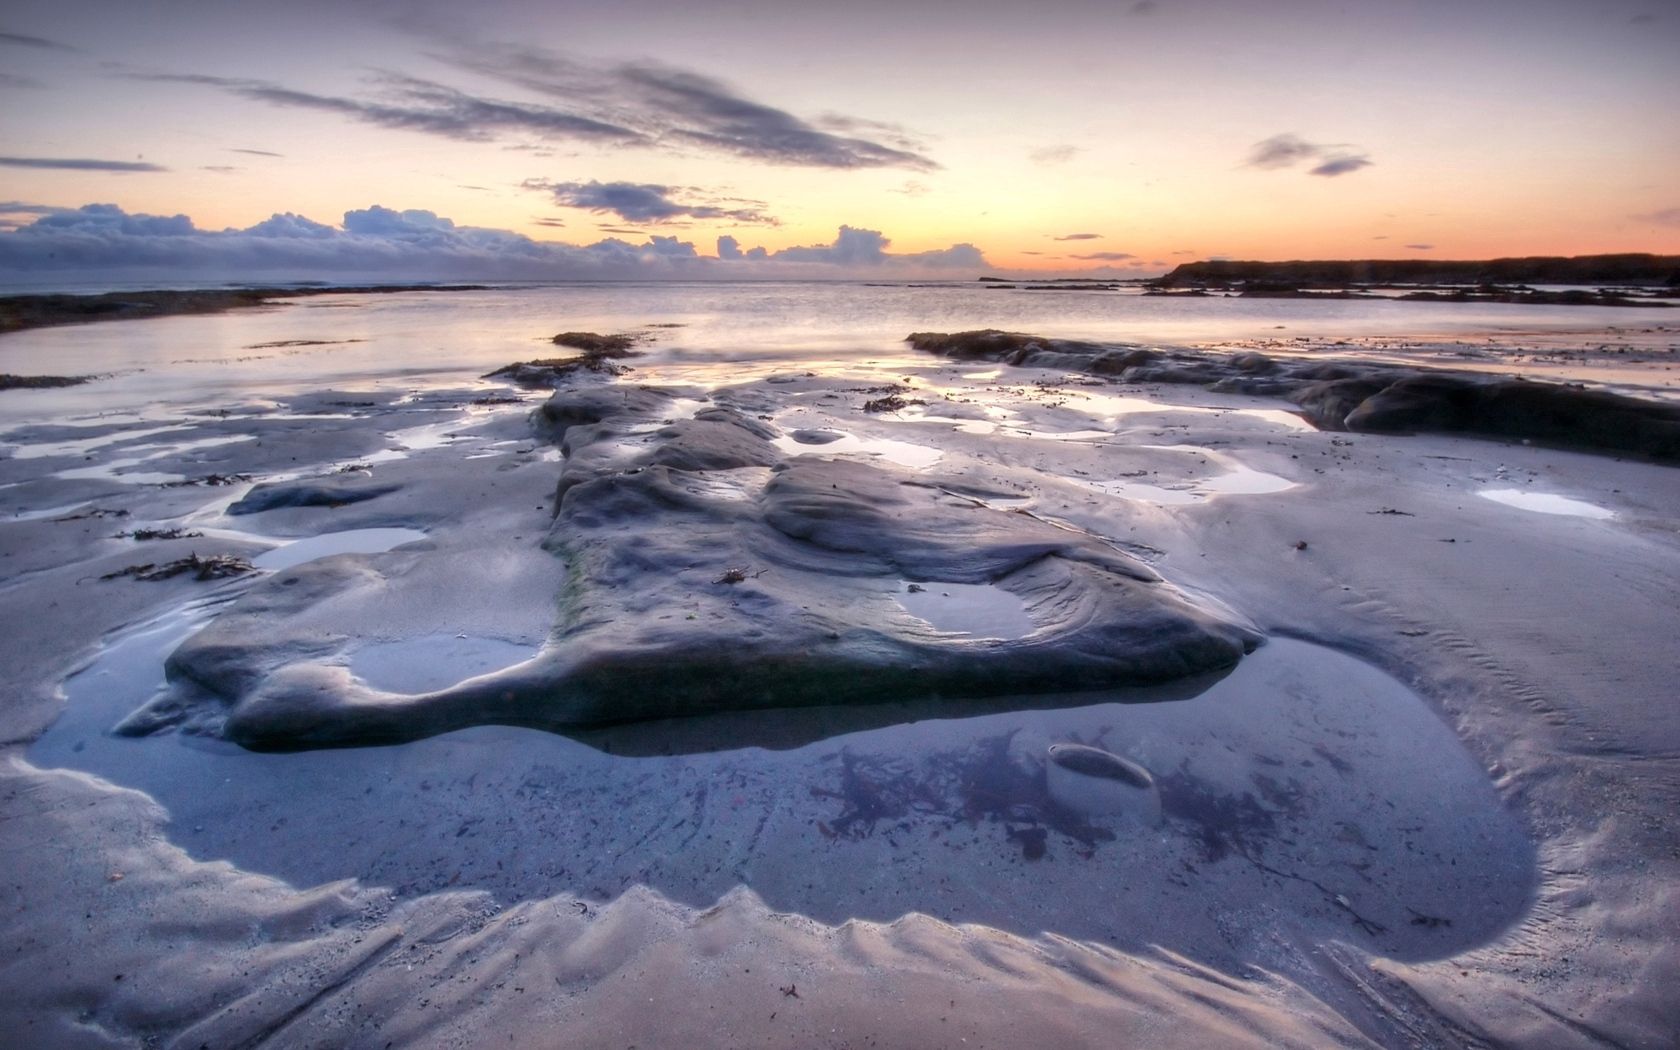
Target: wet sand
<point>1432,809</point>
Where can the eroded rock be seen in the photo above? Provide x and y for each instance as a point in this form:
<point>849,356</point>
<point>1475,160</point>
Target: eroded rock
<point>313,492</point>
<point>814,550</point>
<point>1359,396</point>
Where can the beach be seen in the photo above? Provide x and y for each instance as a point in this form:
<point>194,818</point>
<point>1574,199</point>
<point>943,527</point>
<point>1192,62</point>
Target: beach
<point>705,696</point>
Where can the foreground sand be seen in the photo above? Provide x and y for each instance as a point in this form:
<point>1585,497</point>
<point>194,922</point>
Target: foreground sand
<point>1435,810</point>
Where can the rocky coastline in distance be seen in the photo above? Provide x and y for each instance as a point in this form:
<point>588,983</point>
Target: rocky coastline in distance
<point>1629,279</point>
<point>21,312</point>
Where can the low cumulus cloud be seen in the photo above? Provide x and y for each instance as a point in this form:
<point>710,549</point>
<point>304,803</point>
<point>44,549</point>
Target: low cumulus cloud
<point>859,248</point>
<point>646,202</point>
<point>78,164</point>
<point>1327,159</point>
<point>641,105</point>
<point>1421,247</point>
<point>1105,257</point>
<point>1080,237</point>
<point>385,243</point>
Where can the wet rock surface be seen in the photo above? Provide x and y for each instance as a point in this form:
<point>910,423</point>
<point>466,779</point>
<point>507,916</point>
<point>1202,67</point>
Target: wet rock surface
<point>1358,396</point>
<point>12,382</point>
<point>598,356</point>
<point>315,492</point>
<point>706,573</point>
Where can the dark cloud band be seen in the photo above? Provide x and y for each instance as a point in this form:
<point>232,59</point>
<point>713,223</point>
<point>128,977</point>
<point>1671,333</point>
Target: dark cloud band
<point>641,105</point>
<point>78,164</point>
<point>644,202</point>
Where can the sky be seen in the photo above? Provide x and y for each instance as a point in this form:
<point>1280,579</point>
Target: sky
<point>548,139</point>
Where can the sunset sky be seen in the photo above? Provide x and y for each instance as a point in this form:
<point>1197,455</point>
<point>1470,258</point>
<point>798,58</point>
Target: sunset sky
<point>557,139</point>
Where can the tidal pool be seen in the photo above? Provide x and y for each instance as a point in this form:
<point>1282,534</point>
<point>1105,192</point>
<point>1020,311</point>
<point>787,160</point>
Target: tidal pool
<point>1547,503</point>
<point>1289,811</point>
<point>981,610</point>
<point>348,541</point>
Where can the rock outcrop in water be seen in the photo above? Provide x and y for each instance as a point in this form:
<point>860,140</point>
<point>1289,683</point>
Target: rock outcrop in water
<point>1629,268</point>
<point>1358,396</point>
<point>11,382</point>
<point>709,573</point>
<point>598,356</point>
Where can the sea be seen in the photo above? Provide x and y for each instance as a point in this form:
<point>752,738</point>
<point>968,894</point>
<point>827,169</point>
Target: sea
<point>691,332</point>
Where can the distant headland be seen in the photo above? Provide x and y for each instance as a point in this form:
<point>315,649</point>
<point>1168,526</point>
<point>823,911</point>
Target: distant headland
<point>1629,279</point>
<point>18,312</point>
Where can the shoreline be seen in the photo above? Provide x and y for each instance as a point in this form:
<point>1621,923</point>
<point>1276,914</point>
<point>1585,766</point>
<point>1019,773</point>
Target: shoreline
<point>1509,652</point>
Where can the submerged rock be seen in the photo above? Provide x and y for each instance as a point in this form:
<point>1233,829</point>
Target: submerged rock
<point>708,574</point>
<point>1359,396</point>
<point>1092,781</point>
<point>316,492</point>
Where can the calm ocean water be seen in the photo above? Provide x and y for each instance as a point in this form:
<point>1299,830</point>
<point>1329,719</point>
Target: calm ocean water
<point>429,338</point>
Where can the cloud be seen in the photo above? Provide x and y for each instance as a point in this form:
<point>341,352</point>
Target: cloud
<point>381,243</point>
<point>643,202</point>
<point>108,219</point>
<point>1281,151</point>
<point>221,169</point>
<point>1145,7</point>
<point>1341,164</point>
<point>257,152</point>
<point>1105,256</point>
<point>1080,237</point>
<point>912,188</point>
<point>20,40</point>
<point>13,213</point>
<point>287,224</point>
<point>635,104</point>
<point>700,111</point>
<point>25,208</point>
<point>424,106</point>
<point>1287,150</point>
<point>1421,247</point>
<point>1050,156</point>
<point>12,80</point>
<point>1665,217</point>
<point>854,247</point>
<point>548,221</point>
<point>77,164</point>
